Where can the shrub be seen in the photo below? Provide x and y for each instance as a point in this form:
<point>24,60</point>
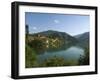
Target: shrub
<point>84,59</point>
<point>57,61</point>
<point>30,57</point>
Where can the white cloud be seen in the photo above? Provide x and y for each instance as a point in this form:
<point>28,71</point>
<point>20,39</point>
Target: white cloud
<point>56,21</point>
<point>34,28</point>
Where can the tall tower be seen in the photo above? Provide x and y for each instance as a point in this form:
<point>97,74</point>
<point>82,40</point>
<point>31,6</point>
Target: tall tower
<point>27,32</point>
<point>27,29</point>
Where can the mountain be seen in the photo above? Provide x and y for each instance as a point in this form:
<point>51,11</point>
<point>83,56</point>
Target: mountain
<point>82,36</point>
<point>60,39</point>
<point>55,38</point>
<point>53,34</point>
<point>57,34</point>
<point>83,39</point>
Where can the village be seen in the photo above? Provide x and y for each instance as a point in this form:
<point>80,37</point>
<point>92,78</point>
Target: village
<point>47,42</point>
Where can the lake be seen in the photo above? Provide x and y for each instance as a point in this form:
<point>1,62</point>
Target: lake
<point>71,53</point>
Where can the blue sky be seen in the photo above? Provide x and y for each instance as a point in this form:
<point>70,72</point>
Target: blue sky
<point>69,23</point>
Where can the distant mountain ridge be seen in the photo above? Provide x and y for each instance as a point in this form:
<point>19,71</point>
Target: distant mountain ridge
<point>85,35</point>
<point>50,32</point>
<point>60,35</point>
<point>83,39</point>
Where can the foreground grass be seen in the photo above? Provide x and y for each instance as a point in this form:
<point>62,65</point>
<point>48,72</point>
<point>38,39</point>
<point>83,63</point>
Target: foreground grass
<point>30,57</point>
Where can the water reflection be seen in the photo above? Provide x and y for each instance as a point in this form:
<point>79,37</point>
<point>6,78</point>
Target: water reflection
<point>69,53</point>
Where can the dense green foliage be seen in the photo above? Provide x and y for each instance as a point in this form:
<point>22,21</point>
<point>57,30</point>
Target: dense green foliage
<point>38,45</point>
<point>84,59</point>
<point>30,56</point>
<point>57,61</point>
